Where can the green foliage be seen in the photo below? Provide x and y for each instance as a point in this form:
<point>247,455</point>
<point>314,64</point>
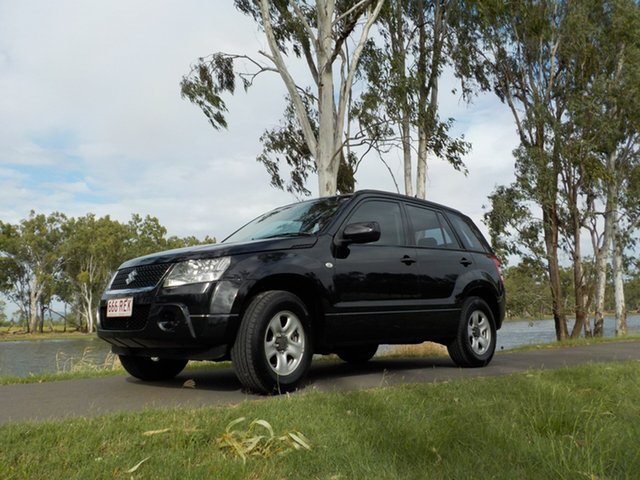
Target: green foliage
<point>73,259</point>
<point>565,69</point>
<point>528,294</point>
<point>513,230</point>
<point>31,261</point>
<point>204,84</point>
<point>632,292</point>
<point>285,145</point>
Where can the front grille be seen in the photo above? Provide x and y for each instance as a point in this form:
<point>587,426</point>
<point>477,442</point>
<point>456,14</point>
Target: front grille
<point>137,320</point>
<point>139,277</point>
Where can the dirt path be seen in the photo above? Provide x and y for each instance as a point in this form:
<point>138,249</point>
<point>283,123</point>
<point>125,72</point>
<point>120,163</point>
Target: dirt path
<point>98,396</point>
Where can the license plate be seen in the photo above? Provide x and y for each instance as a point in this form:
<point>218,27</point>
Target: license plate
<point>120,307</point>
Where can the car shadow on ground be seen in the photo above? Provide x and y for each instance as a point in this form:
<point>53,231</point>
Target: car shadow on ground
<point>323,374</point>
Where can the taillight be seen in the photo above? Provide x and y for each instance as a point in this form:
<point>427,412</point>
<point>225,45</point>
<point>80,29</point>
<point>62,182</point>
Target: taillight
<point>496,261</point>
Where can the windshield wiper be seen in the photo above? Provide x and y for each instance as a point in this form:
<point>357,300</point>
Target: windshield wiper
<point>287,234</point>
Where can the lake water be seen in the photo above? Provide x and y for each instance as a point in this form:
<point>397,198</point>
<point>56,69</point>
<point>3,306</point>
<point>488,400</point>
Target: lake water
<point>521,333</point>
<point>21,358</point>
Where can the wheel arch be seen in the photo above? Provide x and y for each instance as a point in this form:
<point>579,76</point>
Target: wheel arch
<point>304,287</point>
<point>489,295</point>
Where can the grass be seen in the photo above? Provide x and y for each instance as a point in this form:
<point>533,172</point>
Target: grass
<point>14,333</point>
<point>57,377</point>
<point>577,423</point>
<point>578,342</point>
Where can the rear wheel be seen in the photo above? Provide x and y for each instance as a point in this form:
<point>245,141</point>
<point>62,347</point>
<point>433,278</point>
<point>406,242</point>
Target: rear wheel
<point>152,368</point>
<point>357,353</point>
<point>273,348</point>
<point>475,342</point>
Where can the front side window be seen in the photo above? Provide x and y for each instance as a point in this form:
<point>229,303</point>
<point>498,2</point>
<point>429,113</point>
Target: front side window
<point>388,216</point>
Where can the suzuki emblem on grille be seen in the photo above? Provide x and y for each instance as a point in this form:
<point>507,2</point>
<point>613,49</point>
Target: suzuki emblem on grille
<point>131,277</point>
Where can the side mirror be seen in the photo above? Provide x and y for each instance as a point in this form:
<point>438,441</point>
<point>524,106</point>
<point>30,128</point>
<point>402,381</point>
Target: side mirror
<point>363,232</point>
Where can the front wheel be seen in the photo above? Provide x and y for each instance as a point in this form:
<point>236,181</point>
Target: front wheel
<point>475,341</point>
<point>152,368</point>
<point>273,348</point>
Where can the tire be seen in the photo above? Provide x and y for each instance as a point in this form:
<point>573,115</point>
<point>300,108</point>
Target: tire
<point>475,341</point>
<point>357,353</point>
<point>273,348</point>
<point>152,369</point>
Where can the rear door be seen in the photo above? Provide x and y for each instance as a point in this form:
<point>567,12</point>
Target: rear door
<point>441,263</point>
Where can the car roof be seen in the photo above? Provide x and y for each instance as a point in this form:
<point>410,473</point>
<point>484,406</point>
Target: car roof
<point>399,196</point>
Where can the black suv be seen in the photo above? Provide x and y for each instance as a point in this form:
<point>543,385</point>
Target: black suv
<point>339,275</point>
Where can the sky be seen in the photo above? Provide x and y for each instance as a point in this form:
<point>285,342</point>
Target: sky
<point>91,120</point>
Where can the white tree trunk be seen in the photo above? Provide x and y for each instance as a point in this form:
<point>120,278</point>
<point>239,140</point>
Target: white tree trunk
<point>87,306</point>
<point>406,152</point>
<point>602,252</point>
<point>421,174</point>
<point>618,285</point>
<point>35,292</point>
<point>346,81</point>
<point>326,157</point>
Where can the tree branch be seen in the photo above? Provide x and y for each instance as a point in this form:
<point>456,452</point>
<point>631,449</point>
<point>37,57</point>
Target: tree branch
<point>346,85</point>
<point>276,57</point>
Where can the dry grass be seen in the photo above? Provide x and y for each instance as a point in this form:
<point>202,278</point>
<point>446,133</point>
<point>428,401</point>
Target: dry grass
<point>17,333</point>
<point>87,362</point>
<point>426,349</point>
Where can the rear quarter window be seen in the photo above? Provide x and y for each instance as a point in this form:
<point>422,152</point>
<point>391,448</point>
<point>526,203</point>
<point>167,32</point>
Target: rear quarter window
<point>468,233</point>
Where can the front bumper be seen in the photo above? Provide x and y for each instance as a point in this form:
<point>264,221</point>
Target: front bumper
<point>169,324</point>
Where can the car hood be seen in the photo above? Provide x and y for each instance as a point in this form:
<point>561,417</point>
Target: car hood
<point>222,250</point>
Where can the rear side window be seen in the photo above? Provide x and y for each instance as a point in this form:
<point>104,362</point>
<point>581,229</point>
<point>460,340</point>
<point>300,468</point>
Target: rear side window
<point>469,233</point>
<point>387,214</point>
<point>430,229</point>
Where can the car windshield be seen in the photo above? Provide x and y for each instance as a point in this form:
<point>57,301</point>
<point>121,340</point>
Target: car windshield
<point>299,219</point>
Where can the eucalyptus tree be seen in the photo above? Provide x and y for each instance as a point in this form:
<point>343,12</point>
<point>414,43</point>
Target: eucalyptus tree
<point>603,111</point>
<point>561,68</point>
<point>328,36</point>
<point>31,262</point>
<point>94,248</point>
<point>402,66</point>
<point>520,42</point>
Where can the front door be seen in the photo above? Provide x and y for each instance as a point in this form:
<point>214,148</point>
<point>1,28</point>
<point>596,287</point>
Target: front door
<point>376,284</point>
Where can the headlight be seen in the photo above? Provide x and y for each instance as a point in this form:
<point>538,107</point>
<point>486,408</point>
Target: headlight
<point>197,271</point>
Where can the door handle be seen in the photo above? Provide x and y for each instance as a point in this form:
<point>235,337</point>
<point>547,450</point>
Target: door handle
<point>407,260</point>
<point>464,261</point>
